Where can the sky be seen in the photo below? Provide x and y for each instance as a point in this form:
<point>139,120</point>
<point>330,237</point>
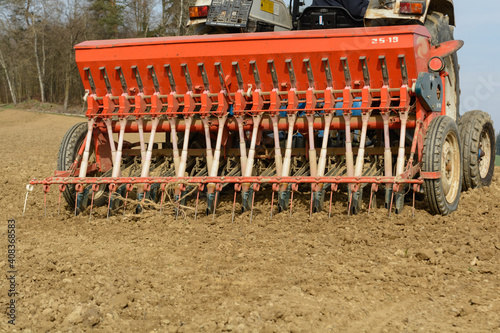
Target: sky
<point>477,24</point>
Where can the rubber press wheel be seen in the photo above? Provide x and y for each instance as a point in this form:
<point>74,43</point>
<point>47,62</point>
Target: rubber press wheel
<point>478,149</point>
<point>442,154</point>
<point>68,151</point>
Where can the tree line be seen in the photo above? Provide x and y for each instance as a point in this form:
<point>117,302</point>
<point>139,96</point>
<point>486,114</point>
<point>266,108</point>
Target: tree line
<point>37,59</point>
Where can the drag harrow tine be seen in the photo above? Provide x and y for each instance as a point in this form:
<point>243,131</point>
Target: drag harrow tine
<point>62,188</point>
<point>147,193</point>
<point>215,205</point>
<point>109,206</point>
<point>200,188</point>
<point>95,188</point>
<point>112,189</point>
<point>350,203</point>
<point>128,189</point>
<point>29,188</point>
<point>179,197</point>
<point>275,189</point>
<point>237,188</point>
<point>334,188</point>
<point>294,187</point>
<point>374,189</point>
<point>256,187</point>
<point>79,197</point>
<point>76,203</point>
<point>234,206</point>
<point>311,205</point>
<point>392,200</point>
<point>330,209</point>
<point>46,189</point>
<point>416,188</point>
<point>272,204</point>
<point>413,208</point>
<point>162,191</point>
<point>218,188</point>
<point>251,209</point>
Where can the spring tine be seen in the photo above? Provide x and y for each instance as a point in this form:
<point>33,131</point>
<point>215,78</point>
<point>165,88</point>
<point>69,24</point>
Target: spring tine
<point>251,210</point>
<point>234,206</point>
<point>291,202</point>
<point>177,210</point>
<point>272,204</point>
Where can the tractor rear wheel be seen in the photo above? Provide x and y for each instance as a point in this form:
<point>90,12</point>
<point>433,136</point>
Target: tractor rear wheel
<point>442,154</point>
<point>439,27</point>
<point>68,153</point>
<point>478,149</point>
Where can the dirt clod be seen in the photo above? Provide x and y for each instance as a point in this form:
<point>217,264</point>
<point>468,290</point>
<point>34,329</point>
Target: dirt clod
<point>424,254</point>
<point>119,301</point>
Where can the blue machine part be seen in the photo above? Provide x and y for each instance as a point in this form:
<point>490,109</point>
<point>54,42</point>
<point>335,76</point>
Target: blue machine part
<point>356,105</point>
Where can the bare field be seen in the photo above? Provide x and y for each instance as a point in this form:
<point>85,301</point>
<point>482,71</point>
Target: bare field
<point>151,273</point>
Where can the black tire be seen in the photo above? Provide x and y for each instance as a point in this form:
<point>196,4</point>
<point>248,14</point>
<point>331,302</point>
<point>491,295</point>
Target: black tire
<point>68,151</point>
<point>477,137</point>
<point>441,31</point>
<point>442,153</point>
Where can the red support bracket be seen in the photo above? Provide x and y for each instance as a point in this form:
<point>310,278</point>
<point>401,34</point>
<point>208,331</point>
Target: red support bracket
<point>92,106</point>
<point>172,105</point>
<point>108,106</point>
<point>430,175</point>
<point>311,101</point>
<point>156,105</point>
<point>124,105</point>
<point>293,101</point>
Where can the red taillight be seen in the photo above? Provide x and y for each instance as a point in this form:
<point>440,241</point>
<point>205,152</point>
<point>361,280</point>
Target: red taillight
<point>412,7</point>
<point>198,12</point>
<point>436,64</point>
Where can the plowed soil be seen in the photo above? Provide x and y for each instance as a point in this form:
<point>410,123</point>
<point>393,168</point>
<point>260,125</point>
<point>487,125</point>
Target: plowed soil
<point>152,273</point>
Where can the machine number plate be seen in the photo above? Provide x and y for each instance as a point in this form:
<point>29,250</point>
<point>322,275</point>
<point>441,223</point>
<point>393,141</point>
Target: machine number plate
<point>385,40</point>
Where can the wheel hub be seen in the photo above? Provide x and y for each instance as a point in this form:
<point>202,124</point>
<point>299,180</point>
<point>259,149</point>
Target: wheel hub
<point>450,167</point>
